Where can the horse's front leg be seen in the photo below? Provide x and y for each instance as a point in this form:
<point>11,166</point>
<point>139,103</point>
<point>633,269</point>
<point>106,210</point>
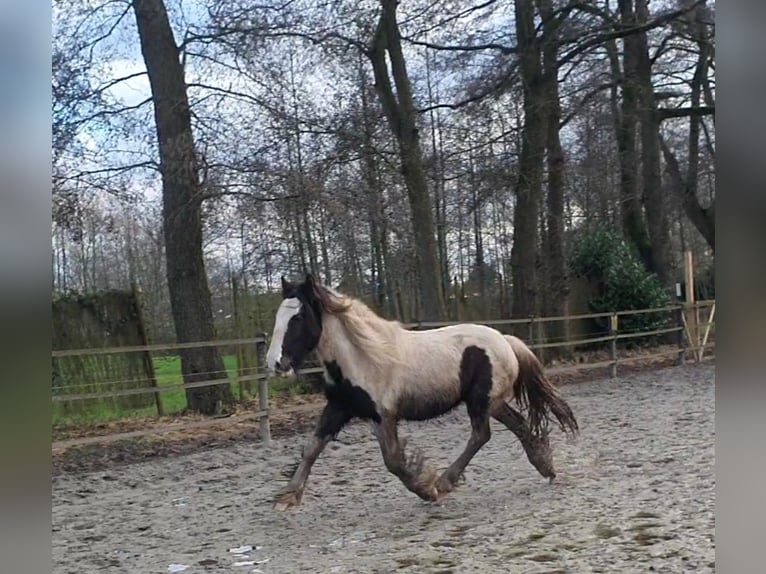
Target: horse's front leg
<point>333,418</point>
<point>412,471</point>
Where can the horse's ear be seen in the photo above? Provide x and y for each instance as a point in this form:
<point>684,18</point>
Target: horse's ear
<point>312,289</point>
<point>286,286</point>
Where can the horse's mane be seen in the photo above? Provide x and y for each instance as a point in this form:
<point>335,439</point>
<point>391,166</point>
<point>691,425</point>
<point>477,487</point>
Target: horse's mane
<point>376,337</point>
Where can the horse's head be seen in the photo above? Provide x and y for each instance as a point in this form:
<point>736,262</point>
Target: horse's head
<point>297,327</point>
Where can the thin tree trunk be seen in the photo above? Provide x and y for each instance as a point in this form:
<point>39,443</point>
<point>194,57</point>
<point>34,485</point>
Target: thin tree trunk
<point>626,123</point>
<point>686,189</point>
<point>374,198</point>
<point>557,286</point>
<point>531,161</point>
<point>323,246</point>
<point>401,115</point>
<point>303,198</point>
<point>477,235</point>
<point>653,197</point>
<point>437,152</point>
<point>190,300</point>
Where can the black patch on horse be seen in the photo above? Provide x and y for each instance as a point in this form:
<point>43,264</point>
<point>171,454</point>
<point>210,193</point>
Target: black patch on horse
<point>475,380</point>
<point>334,417</point>
<point>414,407</point>
<point>475,383</point>
<point>353,399</point>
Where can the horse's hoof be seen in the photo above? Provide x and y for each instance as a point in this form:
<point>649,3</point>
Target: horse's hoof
<point>440,495</point>
<point>286,501</point>
<point>443,488</point>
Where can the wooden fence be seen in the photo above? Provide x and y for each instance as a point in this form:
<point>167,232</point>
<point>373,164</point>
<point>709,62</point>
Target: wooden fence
<point>692,337</point>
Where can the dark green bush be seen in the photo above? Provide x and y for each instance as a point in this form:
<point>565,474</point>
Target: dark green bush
<point>619,281</point>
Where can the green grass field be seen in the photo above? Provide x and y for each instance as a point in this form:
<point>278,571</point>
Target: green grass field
<point>168,373</point>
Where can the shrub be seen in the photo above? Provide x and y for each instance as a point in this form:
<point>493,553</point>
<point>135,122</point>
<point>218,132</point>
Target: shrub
<point>619,280</point>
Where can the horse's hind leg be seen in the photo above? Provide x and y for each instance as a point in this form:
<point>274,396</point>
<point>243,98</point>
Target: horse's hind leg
<point>476,383</point>
<point>538,449</point>
<point>480,435</point>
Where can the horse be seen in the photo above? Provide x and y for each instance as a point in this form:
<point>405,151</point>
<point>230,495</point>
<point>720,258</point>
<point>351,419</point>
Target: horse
<point>378,371</point>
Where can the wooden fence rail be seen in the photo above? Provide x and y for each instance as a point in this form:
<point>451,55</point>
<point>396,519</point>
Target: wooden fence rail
<point>696,346</point>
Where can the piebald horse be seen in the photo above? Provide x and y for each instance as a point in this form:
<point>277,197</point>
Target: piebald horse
<point>378,371</point>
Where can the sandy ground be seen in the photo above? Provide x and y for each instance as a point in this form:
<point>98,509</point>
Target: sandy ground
<point>635,493</point>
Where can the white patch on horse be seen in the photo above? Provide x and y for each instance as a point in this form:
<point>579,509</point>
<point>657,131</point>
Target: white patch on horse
<point>289,308</point>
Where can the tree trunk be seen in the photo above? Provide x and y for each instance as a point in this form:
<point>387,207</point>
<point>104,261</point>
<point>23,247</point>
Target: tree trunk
<point>304,201</point>
<point>653,199</point>
<point>702,218</point>
<point>479,266</point>
<point>187,282</point>
<point>323,245</point>
<point>531,161</point>
<point>375,211</point>
<point>556,285</point>
<point>437,151</point>
<point>686,189</point>
<point>626,123</point>
<point>401,115</point>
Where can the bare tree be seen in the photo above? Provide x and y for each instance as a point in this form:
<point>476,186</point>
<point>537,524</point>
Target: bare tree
<point>531,162</point>
<point>556,285</point>
<point>402,119</point>
<point>187,281</point>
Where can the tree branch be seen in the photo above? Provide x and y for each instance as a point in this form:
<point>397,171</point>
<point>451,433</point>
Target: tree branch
<point>506,50</point>
<point>110,170</point>
<point>114,112</point>
<point>627,31</point>
<point>258,198</point>
<point>495,87</point>
<point>113,82</point>
<point>667,113</point>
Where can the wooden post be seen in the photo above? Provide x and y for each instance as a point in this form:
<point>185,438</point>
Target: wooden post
<point>707,330</point>
<point>680,336</point>
<point>456,295</point>
<point>541,340</point>
<point>263,392</point>
<point>398,304</point>
<point>147,355</point>
<point>692,317</point>
<point>263,405</point>
<point>613,327</point>
<point>238,332</point>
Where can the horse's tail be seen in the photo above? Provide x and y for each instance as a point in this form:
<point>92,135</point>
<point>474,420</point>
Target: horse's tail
<point>533,391</point>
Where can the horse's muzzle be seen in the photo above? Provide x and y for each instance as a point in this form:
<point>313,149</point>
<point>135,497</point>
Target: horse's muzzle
<point>283,366</point>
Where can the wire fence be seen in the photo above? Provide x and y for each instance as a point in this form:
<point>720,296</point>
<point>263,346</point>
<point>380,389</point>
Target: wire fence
<point>693,338</point>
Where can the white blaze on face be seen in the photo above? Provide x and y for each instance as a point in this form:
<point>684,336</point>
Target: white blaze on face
<point>287,310</point>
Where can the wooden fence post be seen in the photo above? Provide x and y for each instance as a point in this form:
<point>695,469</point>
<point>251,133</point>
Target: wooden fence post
<point>238,332</point>
<point>541,340</point>
<point>710,318</point>
<point>680,336</point>
<point>263,391</point>
<point>613,327</point>
<point>146,355</point>
<point>691,311</point>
